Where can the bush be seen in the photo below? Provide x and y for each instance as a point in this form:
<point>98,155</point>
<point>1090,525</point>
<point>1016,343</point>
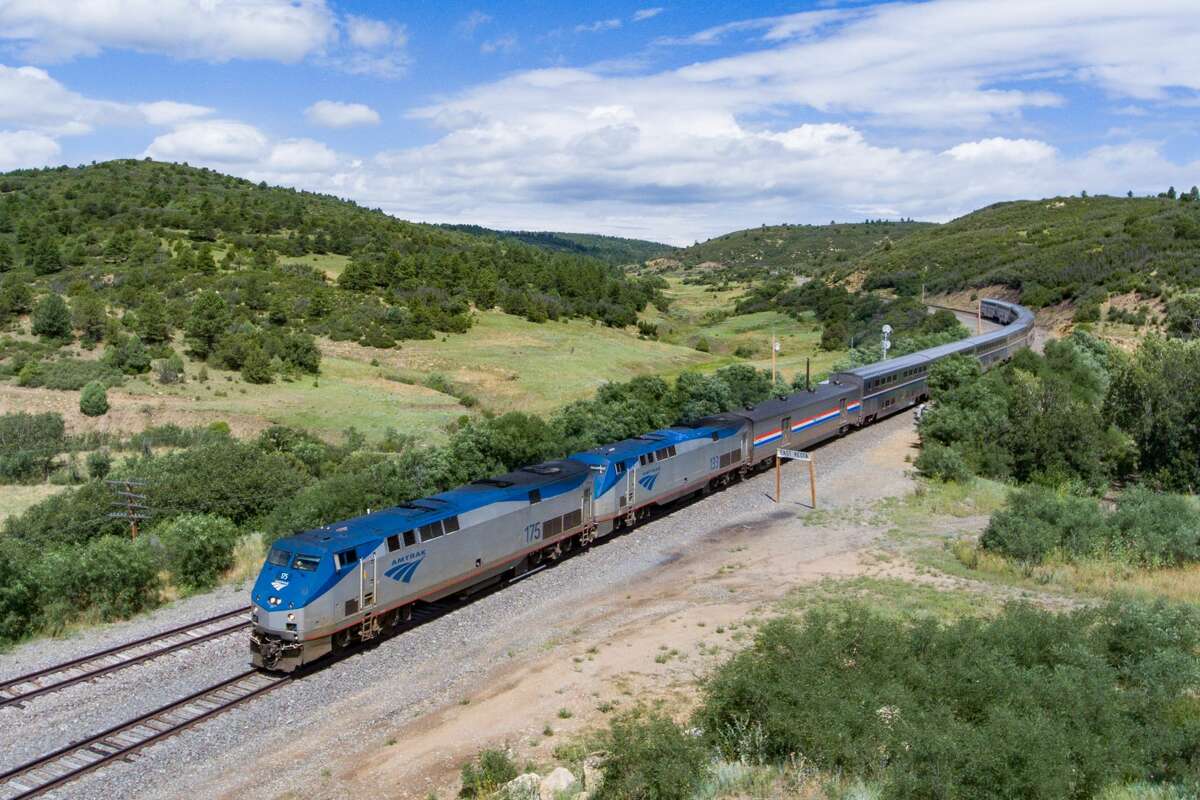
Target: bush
<point>68,374</point>
<point>51,318</point>
<point>99,463</point>
<point>1156,529</point>
<point>1037,521</point>
<point>110,576</point>
<point>29,444</point>
<point>93,400</point>
<point>18,594</point>
<point>199,548</point>
<point>256,366</point>
<point>1030,704</point>
<point>487,773</point>
<point>651,758</point>
<point>942,462</point>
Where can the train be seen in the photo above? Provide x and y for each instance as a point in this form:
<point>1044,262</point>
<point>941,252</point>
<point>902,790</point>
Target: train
<point>353,581</point>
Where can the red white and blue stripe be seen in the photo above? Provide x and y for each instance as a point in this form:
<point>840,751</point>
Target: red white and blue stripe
<point>825,416</point>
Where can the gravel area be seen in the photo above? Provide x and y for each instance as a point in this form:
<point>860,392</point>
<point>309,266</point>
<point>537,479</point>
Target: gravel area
<point>369,693</point>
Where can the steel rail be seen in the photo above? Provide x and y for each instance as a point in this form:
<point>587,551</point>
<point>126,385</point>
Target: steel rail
<point>121,741</point>
<point>104,662</point>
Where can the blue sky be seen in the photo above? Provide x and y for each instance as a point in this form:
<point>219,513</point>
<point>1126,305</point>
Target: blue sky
<point>671,122</point>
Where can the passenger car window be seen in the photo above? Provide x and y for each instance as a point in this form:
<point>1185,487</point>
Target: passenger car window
<point>306,563</point>
<point>278,557</point>
<point>431,531</point>
<point>450,524</point>
<point>410,538</point>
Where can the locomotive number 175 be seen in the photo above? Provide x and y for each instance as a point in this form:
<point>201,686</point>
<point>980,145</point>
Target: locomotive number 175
<point>533,532</point>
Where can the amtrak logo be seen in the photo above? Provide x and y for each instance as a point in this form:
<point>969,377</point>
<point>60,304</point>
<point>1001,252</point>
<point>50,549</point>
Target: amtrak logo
<point>647,481</point>
<point>404,572</point>
<point>280,582</point>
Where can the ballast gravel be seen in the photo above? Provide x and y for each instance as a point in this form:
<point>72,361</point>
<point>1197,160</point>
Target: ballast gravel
<point>424,668</point>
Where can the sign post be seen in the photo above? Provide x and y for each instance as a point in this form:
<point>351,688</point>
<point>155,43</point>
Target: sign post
<point>795,455</point>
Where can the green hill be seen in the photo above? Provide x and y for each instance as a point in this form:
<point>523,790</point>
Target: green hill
<point>609,249</point>
<point>140,235</point>
<point>1056,249</point>
<point>801,249</point>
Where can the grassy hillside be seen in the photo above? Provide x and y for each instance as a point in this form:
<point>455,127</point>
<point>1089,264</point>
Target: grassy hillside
<point>802,249</point>
<point>1051,250</point>
<point>610,249</point>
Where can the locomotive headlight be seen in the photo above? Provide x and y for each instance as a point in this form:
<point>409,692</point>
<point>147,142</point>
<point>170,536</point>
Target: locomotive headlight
<point>291,617</point>
<point>274,601</point>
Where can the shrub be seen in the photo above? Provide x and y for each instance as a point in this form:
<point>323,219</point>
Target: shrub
<point>942,462</point>
<point>18,594</point>
<point>1030,704</point>
<point>1156,529</point>
<point>199,548</point>
<point>651,758</point>
<point>99,463</point>
<point>111,576</point>
<point>29,444</point>
<point>68,374</point>
<point>256,366</point>
<point>93,400</point>
<point>51,318</point>
<point>1037,521</point>
<point>487,773</point>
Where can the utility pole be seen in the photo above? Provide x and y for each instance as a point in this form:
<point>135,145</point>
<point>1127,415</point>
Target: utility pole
<point>774,350</point>
<point>131,498</point>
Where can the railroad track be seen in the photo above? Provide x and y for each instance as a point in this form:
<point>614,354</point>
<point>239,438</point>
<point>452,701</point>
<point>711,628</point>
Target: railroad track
<point>95,665</point>
<point>122,741</point>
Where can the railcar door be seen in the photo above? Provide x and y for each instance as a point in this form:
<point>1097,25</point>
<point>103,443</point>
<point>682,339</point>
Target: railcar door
<point>785,430</point>
<point>630,486</point>
<point>587,501</point>
<point>366,582</point>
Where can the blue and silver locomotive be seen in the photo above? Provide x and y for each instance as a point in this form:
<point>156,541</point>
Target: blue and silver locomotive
<point>354,580</point>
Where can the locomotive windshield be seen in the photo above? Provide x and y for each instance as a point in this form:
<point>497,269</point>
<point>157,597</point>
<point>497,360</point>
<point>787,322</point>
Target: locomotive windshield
<point>278,557</point>
<point>306,563</point>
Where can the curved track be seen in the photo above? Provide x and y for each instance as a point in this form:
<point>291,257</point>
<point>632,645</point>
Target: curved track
<point>121,741</point>
<point>95,665</point>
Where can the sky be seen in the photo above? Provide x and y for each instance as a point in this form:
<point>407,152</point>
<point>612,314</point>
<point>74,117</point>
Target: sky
<point>672,122</point>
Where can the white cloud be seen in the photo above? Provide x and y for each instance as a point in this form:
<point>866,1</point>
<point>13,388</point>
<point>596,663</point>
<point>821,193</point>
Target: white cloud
<point>301,155</point>
<point>168,112</point>
<point>501,44</point>
<point>332,114</point>
<point>216,30</point>
<point>598,25</point>
<point>26,149</point>
<point>646,13</point>
<point>32,99</point>
<point>468,25</point>
<point>218,140</point>
<point>287,31</point>
<point>997,148</point>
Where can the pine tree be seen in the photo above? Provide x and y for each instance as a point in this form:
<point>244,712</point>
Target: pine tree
<point>51,318</point>
<point>89,315</point>
<point>93,400</point>
<point>209,319</point>
<point>6,256</point>
<point>153,324</point>
<point>256,368</point>
<point>45,258</point>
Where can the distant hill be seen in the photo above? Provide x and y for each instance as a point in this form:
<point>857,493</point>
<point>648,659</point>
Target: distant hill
<point>1063,248</point>
<point>149,238</point>
<point>803,249</point>
<point>610,249</point>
